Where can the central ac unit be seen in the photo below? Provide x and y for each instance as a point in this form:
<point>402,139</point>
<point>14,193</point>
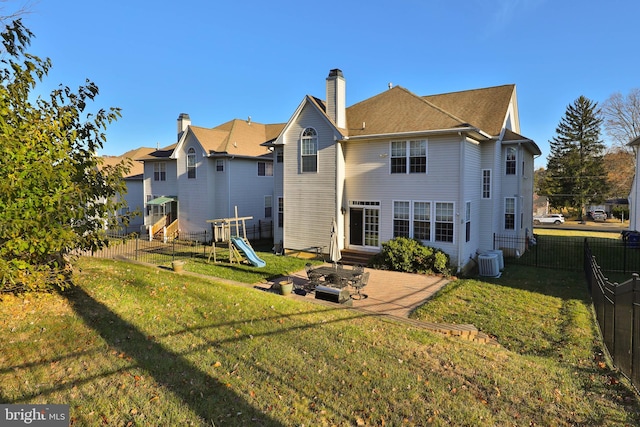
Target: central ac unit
<point>489,265</point>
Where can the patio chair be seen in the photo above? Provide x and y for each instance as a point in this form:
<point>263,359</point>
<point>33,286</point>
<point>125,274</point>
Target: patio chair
<point>314,279</point>
<point>337,281</point>
<point>359,284</point>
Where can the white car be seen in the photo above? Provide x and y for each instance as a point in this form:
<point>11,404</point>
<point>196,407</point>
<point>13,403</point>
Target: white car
<point>549,219</point>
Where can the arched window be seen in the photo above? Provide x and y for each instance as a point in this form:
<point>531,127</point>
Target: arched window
<point>309,150</point>
<point>191,163</point>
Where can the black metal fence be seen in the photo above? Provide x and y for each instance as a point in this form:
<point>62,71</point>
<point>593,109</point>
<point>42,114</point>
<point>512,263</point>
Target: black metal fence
<point>617,308</point>
<point>567,252</point>
<point>184,246</point>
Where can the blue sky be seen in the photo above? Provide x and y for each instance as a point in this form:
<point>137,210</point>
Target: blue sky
<point>222,60</point>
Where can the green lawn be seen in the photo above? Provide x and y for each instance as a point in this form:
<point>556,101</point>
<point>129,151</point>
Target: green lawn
<point>136,345</point>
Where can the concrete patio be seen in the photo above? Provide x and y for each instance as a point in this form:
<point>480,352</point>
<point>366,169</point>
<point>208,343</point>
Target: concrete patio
<point>388,292</point>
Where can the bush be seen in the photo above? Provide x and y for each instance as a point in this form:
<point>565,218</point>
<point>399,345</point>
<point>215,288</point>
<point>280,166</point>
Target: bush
<point>411,256</point>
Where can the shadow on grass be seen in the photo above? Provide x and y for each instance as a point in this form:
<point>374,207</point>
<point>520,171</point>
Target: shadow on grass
<point>212,400</point>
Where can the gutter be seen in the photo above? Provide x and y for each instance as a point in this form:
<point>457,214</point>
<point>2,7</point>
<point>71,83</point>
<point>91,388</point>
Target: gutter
<point>458,130</point>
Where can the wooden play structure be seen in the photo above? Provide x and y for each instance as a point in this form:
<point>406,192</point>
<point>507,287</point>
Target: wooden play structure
<point>237,243</point>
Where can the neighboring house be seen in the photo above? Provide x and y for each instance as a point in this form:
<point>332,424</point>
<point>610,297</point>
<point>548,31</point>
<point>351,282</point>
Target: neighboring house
<point>634,195</point>
<point>451,170</point>
<point>134,197</point>
<point>208,173</point>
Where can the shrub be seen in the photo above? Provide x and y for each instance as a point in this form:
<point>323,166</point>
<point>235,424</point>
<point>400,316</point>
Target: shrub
<point>411,256</point>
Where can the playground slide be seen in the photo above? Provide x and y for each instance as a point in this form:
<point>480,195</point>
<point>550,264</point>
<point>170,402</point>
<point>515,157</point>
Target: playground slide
<point>248,252</point>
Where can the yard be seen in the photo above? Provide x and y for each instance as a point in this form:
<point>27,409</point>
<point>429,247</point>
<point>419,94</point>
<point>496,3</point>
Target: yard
<point>137,345</point>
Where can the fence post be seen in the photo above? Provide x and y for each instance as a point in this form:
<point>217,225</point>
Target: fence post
<point>135,256</point>
<point>635,333</point>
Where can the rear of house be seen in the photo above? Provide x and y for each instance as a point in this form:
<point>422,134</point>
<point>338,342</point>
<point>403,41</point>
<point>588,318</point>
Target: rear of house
<point>450,170</point>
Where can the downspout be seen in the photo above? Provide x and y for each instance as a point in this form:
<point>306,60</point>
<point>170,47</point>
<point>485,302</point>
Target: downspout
<point>519,218</point>
<point>460,212</point>
<point>229,186</point>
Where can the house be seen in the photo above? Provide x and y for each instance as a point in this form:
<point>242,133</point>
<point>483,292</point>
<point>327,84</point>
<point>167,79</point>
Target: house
<point>134,198</point>
<point>450,170</point>
<point>206,174</point>
<point>634,195</point>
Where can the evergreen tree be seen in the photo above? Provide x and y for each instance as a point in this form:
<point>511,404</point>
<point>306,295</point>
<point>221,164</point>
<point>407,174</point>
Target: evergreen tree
<point>575,167</point>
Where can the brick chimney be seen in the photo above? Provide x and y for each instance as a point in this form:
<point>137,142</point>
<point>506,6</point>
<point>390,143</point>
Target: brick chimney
<point>336,98</point>
<point>184,121</point>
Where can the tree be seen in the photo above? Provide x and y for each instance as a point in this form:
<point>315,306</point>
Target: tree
<point>622,118</point>
<point>575,168</point>
<point>619,166</point>
<point>54,197</point>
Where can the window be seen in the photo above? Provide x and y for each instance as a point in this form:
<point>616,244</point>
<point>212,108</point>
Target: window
<point>220,165</point>
<point>486,183</point>
<point>510,213</point>
<point>160,171</point>
<point>279,155</point>
<point>400,219</point>
<point>191,163</point>
<point>398,157</point>
<point>418,156</point>
<point>467,221</point>
<point>280,212</point>
<point>444,222</point>
<point>268,206</point>
<point>511,161</point>
<point>409,156</point>
<point>422,220</point>
<point>309,150</point>
<point>265,169</point>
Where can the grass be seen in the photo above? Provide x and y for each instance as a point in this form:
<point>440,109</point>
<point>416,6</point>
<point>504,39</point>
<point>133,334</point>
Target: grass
<point>277,266</point>
<point>135,345</point>
<point>577,233</point>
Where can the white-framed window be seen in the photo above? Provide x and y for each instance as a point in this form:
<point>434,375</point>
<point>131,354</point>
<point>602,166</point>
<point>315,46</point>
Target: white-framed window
<point>401,223</point>
<point>191,163</point>
<point>422,220</point>
<point>511,161</point>
<point>444,220</point>
<point>268,206</point>
<point>309,150</point>
<point>408,156</point>
<point>467,221</point>
<point>486,183</point>
<point>160,171</point>
<point>510,213</point>
<point>279,155</point>
<point>280,212</point>
<point>219,165</point>
<point>265,169</point>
